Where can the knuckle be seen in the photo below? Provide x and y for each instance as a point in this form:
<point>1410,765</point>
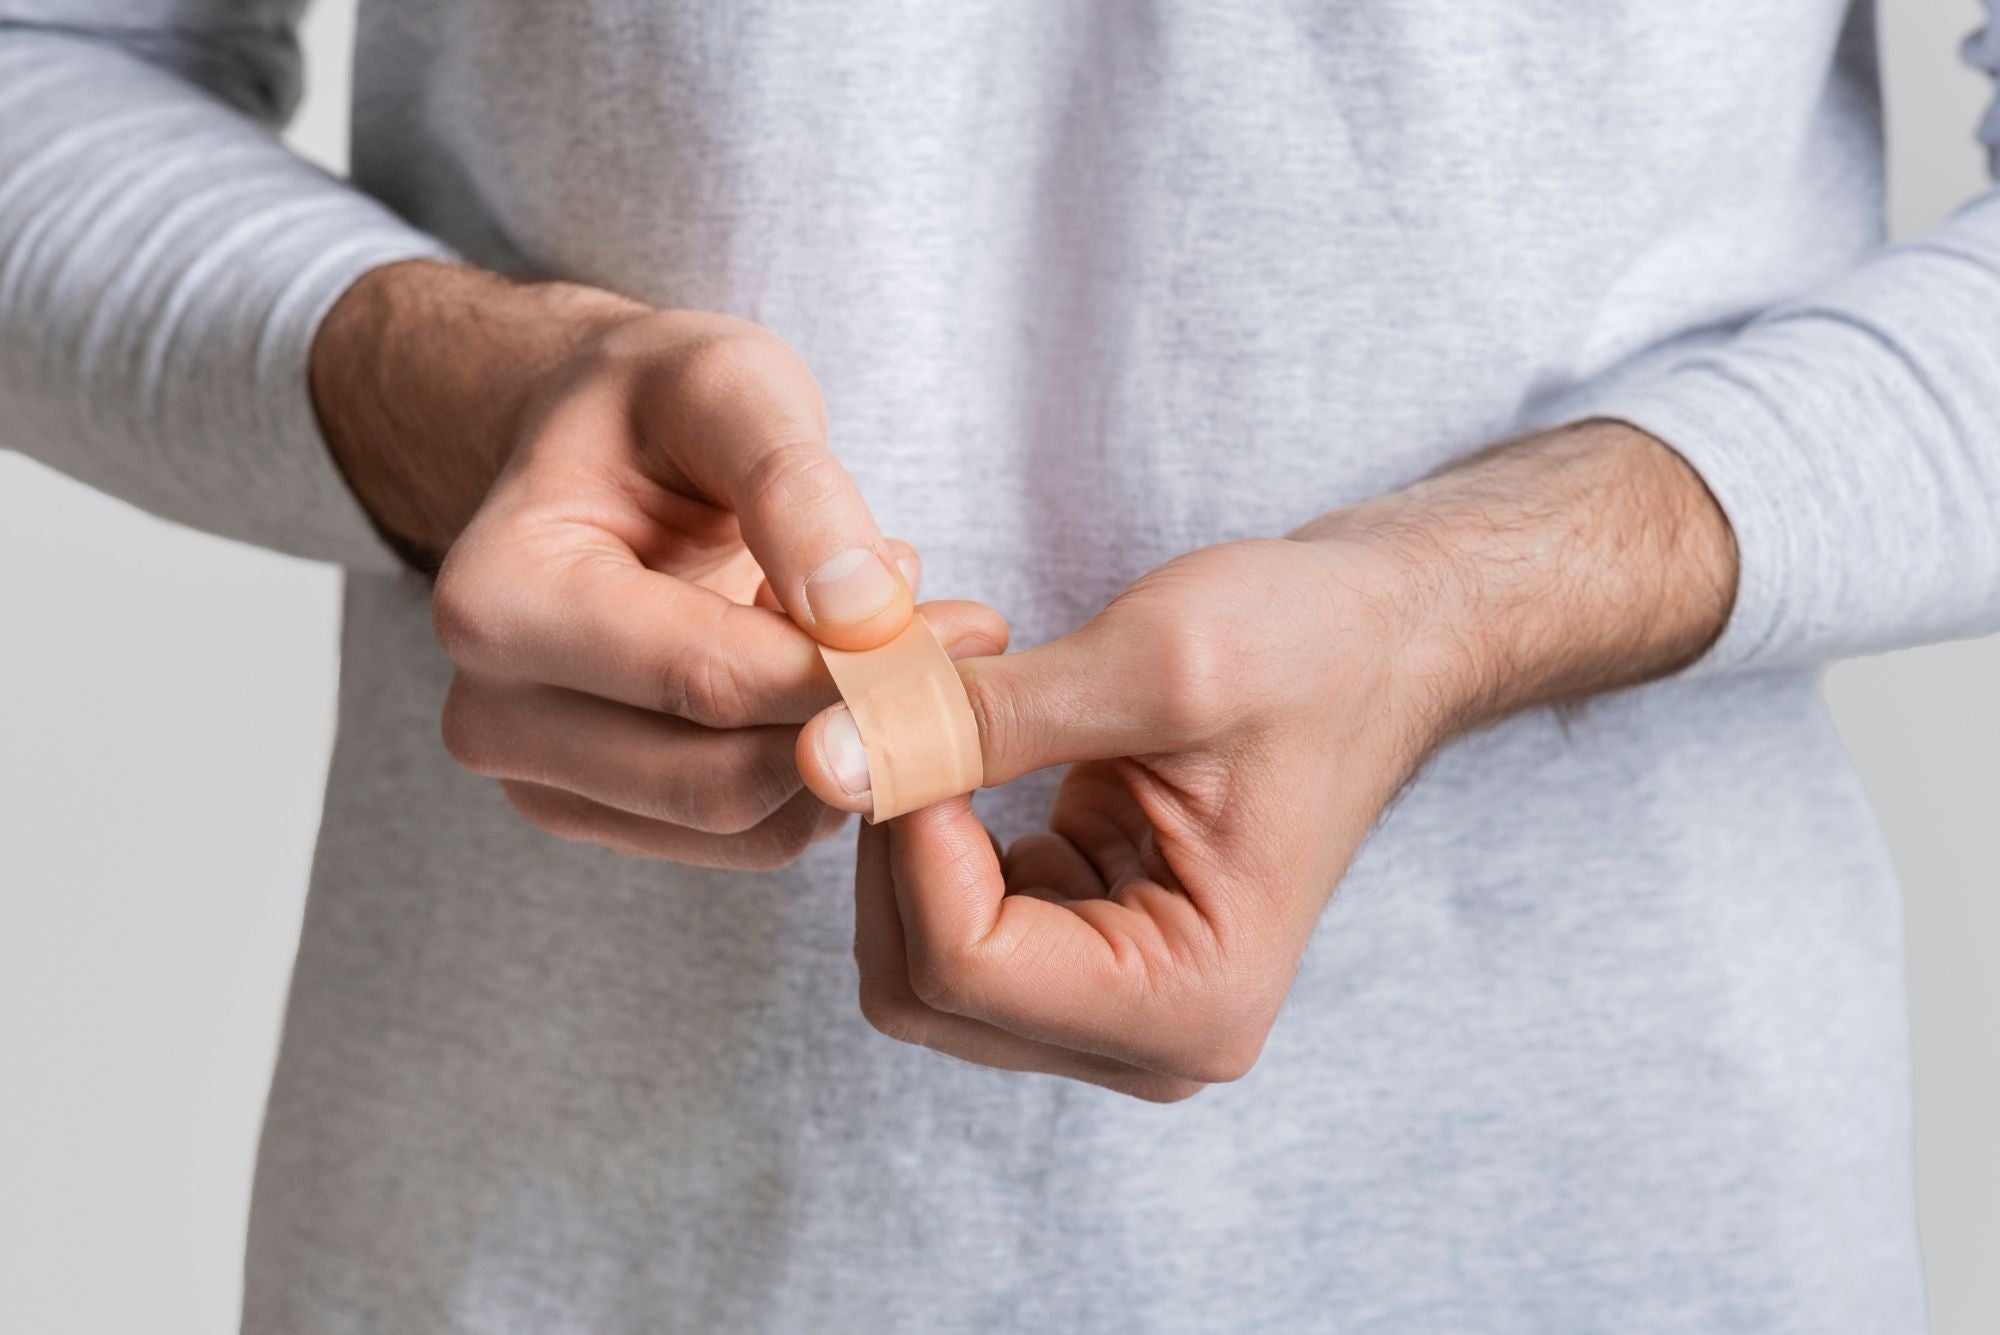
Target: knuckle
<point>464,625</point>
<point>1228,1056</point>
<point>711,368</point>
<point>1193,673</point>
<point>714,808</point>
<point>681,692</point>
<point>702,686</point>
<point>468,738</point>
<point>718,366</point>
<point>793,478</point>
<point>771,779</point>
<point>891,1013</point>
<point>778,842</point>
<point>717,809</point>
<point>746,798</point>
<point>1163,1089</point>
<point>940,978</point>
<point>539,807</point>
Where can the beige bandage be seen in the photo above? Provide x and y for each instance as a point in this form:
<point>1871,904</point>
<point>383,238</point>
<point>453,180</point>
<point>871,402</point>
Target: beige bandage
<point>915,723</point>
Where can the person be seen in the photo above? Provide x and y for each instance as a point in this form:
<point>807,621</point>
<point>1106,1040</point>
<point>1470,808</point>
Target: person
<point>1430,452</point>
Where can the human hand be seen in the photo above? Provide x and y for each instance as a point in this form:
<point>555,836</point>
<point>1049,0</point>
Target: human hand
<point>633,606</point>
<point>1241,716</point>
<point>1237,720</point>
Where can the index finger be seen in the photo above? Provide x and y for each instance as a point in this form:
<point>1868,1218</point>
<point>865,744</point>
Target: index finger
<point>592,618</point>
<point>576,608</point>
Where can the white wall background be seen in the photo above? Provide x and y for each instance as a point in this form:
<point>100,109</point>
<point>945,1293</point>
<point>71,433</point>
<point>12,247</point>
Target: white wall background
<point>139,1017</point>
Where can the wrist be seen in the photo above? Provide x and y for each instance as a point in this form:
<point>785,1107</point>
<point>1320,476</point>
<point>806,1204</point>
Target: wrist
<point>420,376</point>
<point>1565,564</point>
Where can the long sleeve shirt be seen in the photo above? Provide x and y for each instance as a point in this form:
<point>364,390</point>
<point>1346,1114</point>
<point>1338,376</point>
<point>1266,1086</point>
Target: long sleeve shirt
<point>1604,1027</point>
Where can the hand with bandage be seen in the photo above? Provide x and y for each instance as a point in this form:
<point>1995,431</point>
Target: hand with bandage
<point>1234,724</point>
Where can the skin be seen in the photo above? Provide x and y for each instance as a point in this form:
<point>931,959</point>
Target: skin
<point>1233,724</point>
<point>634,505</point>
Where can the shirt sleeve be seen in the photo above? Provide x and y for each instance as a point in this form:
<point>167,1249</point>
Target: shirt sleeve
<point>1853,439</point>
<point>165,261</point>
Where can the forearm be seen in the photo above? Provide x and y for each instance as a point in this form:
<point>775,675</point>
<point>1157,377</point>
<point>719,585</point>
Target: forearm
<point>421,376</point>
<point>1550,568</point>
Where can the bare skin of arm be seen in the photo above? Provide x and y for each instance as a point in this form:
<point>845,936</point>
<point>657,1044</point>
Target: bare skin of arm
<point>1235,723</point>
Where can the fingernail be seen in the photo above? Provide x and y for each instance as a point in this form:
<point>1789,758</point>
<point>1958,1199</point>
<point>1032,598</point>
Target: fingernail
<point>840,743</point>
<point>851,586</point>
<point>912,572</point>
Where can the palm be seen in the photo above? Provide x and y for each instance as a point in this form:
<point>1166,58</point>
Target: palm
<point>675,534</point>
<point>1100,843</point>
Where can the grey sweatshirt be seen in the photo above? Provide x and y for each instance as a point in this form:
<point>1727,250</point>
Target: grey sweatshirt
<point>1604,1029</point>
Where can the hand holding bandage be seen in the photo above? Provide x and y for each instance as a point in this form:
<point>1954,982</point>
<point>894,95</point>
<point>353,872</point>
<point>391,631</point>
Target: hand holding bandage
<point>635,608</point>
<point>1234,728</point>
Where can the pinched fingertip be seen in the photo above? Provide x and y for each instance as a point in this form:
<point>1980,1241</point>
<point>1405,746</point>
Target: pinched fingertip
<point>833,762</point>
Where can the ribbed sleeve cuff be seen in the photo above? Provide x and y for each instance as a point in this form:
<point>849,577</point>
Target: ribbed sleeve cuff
<point>1717,425</point>
<point>164,267</point>
<point>300,478</point>
<point>1849,443</point>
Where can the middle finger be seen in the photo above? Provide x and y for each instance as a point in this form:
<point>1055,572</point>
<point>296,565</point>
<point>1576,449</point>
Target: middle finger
<point>721,781</point>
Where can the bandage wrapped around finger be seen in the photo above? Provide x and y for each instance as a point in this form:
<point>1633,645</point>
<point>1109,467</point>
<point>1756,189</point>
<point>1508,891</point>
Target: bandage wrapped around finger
<point>915,722</point>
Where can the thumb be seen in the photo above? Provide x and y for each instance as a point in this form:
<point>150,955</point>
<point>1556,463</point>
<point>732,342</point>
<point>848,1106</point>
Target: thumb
<point>827,563</point>
<point>741,418</point>
<point>908,563</point>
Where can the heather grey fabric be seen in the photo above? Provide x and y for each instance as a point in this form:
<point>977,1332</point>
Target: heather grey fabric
<point>1603,1031</point>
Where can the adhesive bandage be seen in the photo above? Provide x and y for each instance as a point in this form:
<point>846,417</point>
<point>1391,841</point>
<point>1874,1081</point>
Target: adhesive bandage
<point>915,723</point>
